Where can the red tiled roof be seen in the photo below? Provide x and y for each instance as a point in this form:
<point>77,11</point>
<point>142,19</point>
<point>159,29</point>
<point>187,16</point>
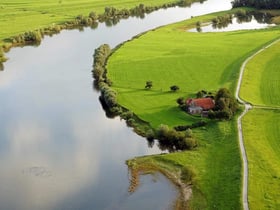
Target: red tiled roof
<point>205,103</point>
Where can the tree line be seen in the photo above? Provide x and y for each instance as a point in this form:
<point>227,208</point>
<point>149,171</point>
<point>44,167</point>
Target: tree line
<point>260,4</point>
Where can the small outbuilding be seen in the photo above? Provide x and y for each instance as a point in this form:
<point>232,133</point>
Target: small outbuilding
<point>199,105</point>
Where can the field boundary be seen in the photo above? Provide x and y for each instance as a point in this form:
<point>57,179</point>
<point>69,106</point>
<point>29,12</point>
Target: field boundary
<point>248,106</point>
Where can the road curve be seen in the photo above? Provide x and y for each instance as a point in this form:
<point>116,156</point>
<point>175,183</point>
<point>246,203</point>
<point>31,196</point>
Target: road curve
<point>248,106</point>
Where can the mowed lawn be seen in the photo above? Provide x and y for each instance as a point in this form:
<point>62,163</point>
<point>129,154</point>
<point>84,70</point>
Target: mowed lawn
<point>262,142</point>
<point>18,16</point>
<point>261,83</point>
<point>172,56</point>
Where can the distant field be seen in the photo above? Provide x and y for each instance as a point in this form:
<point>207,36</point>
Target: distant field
<point>261,132</point>
<point>18,16</point>
<point>172,56</point>
<point>261,83</point>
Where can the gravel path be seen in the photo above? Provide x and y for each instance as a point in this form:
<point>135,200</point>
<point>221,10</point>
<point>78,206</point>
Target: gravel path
<point>248,106</point>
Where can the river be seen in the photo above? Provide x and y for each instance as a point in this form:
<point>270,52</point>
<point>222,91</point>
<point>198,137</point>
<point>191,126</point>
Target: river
<point>57,148</point>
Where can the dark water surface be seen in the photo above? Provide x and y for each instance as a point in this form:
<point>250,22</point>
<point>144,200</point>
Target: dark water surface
<point>57,148</point>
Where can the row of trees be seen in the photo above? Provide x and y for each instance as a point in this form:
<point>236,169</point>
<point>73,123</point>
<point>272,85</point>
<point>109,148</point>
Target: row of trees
<point>241,16</point>
<point>110,16</point>
<point>260,4</point>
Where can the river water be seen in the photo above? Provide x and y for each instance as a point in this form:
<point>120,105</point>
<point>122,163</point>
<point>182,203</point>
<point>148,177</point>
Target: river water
<point>57,148</point>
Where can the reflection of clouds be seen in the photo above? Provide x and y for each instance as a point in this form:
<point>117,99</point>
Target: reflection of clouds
<point>45,170</point>
<point>25,136</point>
<point>29,164</point>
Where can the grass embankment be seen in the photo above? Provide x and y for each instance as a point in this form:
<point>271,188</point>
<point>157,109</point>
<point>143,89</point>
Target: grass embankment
<point>261,82</point>
<point>19,16</point>
<point>216,166</point>
<point>193,61</point>
<point>171,56</point>
<point>261,132</point>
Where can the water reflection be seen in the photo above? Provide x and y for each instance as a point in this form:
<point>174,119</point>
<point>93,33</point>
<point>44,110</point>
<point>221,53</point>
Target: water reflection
<point>241,20</point>
<point>57,148</point>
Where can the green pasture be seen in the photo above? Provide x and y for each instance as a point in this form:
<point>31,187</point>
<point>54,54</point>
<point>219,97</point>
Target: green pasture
<point>261,132</point>
<point>18,16</point>
<point>173,56</point>
<point>261,83</point>
<point>216,165</point>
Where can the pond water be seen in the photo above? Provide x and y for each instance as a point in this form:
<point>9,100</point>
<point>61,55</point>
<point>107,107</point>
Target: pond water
<point>57,148</point>
<point>235,25</point>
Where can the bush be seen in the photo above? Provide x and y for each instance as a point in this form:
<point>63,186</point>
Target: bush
<point>180,101</point>
<point>149,85</point>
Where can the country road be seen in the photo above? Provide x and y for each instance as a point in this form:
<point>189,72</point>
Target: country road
<point>248,106</point>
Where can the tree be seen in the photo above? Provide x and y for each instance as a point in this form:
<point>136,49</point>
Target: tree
<point>149,85</point>
<point>180,101</point>
<point>225,104</point>
<point>174,88</point>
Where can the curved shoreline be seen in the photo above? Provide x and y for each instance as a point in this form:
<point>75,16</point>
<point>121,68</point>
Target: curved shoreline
<point>248,106</point>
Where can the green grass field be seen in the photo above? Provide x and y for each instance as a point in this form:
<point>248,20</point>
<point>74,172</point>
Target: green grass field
<point>172,56</point>
<point>193,61</point>
<point>261,132</point>
<point>261,83</point>
<point>18,16</point>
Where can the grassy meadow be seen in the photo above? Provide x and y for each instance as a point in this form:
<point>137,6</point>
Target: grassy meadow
<point>18,16</point>
<point>262,78</point>
<point>261,132</point>
<point>172,56</point>
<point>194,61</point>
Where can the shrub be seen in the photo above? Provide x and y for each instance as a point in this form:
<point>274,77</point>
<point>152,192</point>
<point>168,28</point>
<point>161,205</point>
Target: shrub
<point>187,174</point>
<point>180,101</point>
<point>149,85</point>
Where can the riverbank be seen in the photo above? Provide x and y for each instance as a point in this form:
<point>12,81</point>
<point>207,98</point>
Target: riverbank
<point>51,18</point>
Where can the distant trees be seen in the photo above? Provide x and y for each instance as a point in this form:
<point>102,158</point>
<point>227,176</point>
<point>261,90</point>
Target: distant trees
<point>260,4</point>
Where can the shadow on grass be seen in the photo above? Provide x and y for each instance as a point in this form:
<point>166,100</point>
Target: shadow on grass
<point>171,116</point>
